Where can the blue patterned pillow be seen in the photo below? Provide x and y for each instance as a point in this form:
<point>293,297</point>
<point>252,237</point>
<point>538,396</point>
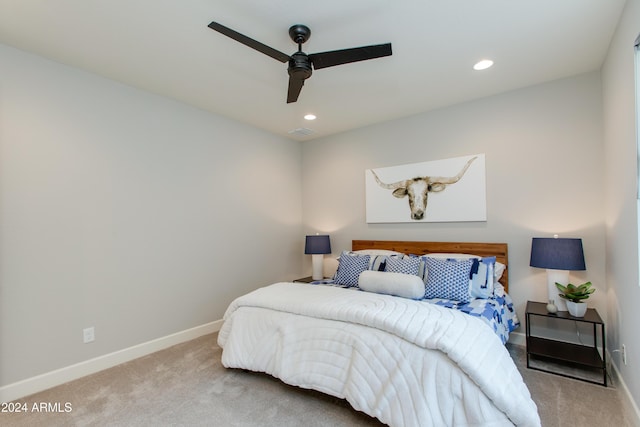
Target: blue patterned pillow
<point>448,279</point>
<point>422,269</point>
<point>482,282</point>
<point>409,265</point>
<point>377,262</point>
<point>349,268</point>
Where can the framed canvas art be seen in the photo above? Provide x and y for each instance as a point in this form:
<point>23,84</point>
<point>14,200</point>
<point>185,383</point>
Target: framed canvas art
<point>446,190</point>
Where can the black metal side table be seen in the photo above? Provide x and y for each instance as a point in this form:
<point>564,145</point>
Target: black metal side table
<point>580,355</point>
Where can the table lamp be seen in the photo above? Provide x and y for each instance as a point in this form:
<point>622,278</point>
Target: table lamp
<point>317,246</point>
<point>558,256</point>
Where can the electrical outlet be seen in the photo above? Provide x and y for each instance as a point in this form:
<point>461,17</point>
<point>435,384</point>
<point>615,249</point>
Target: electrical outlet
<point>624,354</point>
<point>88,335</point>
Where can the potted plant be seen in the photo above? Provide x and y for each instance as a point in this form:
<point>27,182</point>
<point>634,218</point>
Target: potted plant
<point>575,296</point>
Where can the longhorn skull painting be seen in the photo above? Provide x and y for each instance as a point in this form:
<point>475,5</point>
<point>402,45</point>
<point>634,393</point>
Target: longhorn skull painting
<point>432,196</point>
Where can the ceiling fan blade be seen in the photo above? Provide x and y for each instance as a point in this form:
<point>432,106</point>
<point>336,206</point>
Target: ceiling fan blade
<point>345,56</point>
<point>295,86</point>
<point>254,44</point>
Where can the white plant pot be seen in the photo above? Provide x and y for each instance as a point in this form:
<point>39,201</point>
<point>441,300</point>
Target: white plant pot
<point>576,309</point>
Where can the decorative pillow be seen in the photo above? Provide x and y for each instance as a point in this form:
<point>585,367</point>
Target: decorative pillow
<point>482,277</point>
<point>378,262</point>
<point>498,270</point>
<point>422,269</point>
<point>408,265</point>
<point>448,279</point>
<point>349,268</point>
<point>377,258</point>
<point>398,284</point>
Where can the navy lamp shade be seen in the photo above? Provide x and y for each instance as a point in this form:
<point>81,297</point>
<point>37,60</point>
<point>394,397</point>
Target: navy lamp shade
<point>558,256</point>
<point>317,246</point>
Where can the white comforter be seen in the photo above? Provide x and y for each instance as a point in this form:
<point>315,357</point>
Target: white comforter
<point>405,362</point>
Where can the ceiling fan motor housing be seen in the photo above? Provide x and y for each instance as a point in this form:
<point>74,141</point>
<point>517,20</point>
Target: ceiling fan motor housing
<point>300,66</point>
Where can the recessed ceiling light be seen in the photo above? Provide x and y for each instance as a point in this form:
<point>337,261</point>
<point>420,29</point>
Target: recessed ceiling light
<point>310,117</point>
<point>483,65</point>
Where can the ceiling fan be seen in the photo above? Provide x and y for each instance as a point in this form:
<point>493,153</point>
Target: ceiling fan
<point>300,64</point>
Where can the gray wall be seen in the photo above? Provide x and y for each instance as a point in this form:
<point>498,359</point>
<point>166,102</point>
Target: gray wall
<point>621,213</point>
<point>544,169</point>
<point>128,212</point>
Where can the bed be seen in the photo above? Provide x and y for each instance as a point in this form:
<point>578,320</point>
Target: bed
<point>406,360</point>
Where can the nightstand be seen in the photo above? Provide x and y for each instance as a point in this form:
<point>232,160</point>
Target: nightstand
<point>307,279</point>
<point>555,352</point>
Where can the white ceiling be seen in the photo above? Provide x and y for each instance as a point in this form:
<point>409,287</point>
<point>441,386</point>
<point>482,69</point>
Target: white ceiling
<point>165,47</point>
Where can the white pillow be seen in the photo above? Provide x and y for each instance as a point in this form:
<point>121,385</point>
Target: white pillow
<point>498,271</point>
<point>374,252</point>
<point>398,284</point>
<point>452,255</point>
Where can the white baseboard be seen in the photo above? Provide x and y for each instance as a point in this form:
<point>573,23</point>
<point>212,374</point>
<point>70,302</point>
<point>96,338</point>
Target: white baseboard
<point>629,404</point>
<point>517,338</point>
<point>45,381</point>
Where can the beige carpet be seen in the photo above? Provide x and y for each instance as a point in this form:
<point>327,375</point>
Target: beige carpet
<point>186,385</point>
<point>565,402</point>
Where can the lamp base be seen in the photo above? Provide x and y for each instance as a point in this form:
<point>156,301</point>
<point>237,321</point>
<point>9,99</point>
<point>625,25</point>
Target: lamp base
<point>562,277</point>
<point>317,261</point>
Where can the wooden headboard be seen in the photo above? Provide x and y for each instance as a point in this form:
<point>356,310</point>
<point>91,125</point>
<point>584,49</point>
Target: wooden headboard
<point>499,250</point>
